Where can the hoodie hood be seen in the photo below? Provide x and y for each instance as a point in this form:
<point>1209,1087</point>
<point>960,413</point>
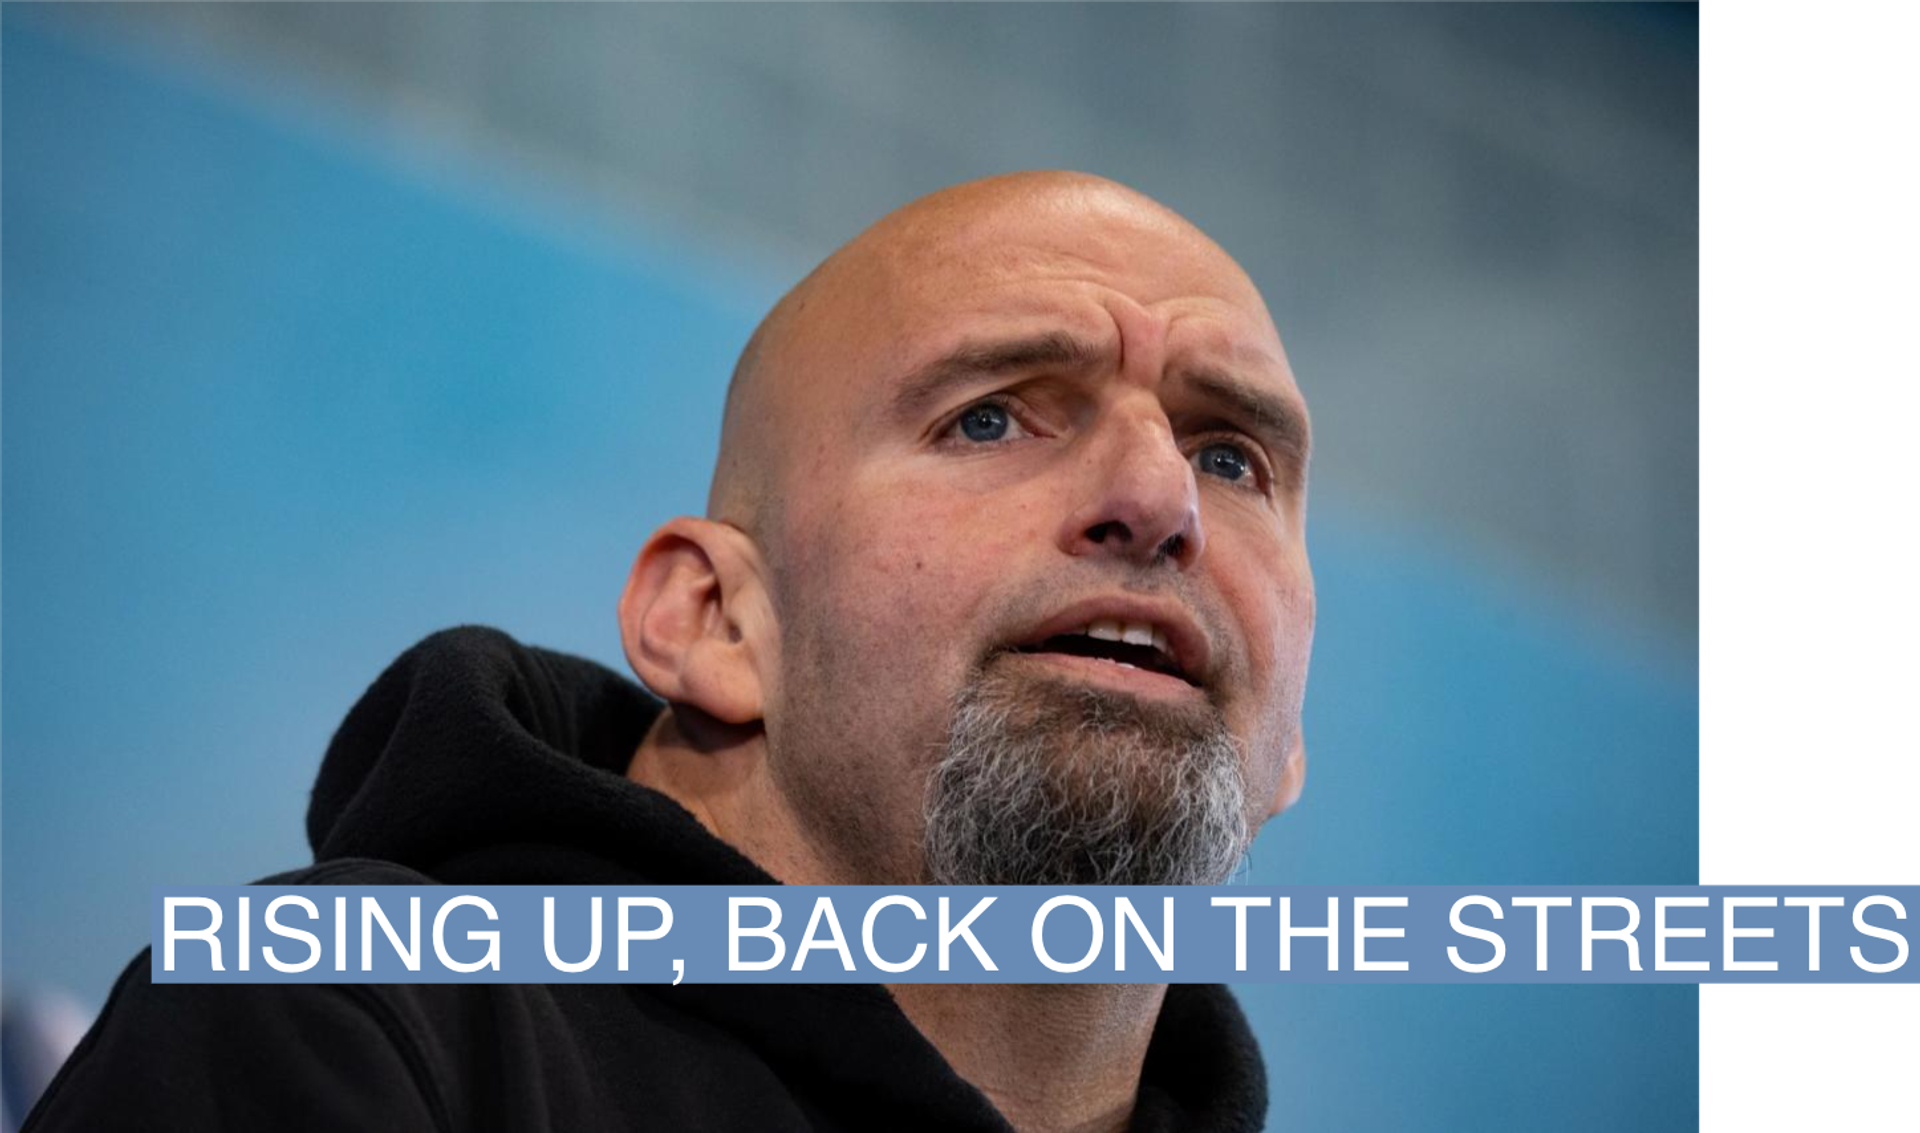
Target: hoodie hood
<point>471,742</point>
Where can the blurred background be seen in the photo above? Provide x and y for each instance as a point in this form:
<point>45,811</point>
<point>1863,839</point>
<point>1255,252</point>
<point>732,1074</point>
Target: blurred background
<point>328,326</point>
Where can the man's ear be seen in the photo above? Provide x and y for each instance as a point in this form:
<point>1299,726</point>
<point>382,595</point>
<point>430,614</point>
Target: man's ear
<point>1293,776</point>
<point>695,620</point>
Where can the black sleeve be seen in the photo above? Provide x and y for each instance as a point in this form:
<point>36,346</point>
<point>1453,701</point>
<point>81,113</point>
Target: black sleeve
<point>241,1057</point>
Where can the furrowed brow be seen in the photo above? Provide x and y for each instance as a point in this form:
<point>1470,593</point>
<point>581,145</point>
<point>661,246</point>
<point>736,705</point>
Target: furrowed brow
<point>1275,420</point>
<point>973,361</point>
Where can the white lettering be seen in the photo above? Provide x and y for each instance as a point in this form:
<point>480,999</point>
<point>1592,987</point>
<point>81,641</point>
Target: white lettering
<point>1123,915</point>
<point>1859,922</point>
<point>1240,907</point>
<point>1331,932</point>
<point>491,936</point>
<point>1463,928</point>
<point>866,933</point>
<point>173,932</point>
<point>735,931</point>
<point>1661,933</point>
<point>949,935</point>
<point>593,949</point>
<point>1361,932</point>
<point>836,941</point>
<point>1040,921</point>
<point>1813,906</point>
<point>628,933</point>
<point>274,926</point>
<point>409,952</point>
<point>1589,934</point>
<point>1540,905</point>
<point>1728,933</point>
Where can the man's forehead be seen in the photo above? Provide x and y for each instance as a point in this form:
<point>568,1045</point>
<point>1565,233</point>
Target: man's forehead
<point>1118,239</point>
<point>1195,327</point>
<point>936,292</point>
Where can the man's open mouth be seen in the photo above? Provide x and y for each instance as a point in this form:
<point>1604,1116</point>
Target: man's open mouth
<point>1126,643</point>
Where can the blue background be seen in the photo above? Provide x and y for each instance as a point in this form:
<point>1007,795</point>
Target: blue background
<point>277,403</point>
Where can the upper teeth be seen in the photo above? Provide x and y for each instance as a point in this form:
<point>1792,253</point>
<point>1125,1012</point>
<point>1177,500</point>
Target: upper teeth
<point>1133,633</point>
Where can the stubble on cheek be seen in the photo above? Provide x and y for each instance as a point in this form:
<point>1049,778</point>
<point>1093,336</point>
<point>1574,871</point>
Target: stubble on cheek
<point>1278,613</point>
<point>861,709</point>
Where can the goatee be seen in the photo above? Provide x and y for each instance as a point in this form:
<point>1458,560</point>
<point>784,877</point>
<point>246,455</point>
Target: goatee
<point>1047,782</point>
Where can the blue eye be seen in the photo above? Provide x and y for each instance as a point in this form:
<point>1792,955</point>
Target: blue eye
<point>1229,462</point>
<point>985,422</point>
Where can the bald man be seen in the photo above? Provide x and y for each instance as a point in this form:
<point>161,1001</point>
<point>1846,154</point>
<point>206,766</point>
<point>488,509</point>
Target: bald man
<point>1003,580</point>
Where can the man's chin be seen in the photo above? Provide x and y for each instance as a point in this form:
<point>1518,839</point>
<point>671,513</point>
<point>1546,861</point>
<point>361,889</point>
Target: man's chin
<point>1051,781</point>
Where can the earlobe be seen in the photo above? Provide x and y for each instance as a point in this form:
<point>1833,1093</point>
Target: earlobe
<point>689,619</point>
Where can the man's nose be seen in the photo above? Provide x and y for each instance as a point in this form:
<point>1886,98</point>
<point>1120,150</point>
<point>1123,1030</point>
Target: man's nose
<point>1141,501</point>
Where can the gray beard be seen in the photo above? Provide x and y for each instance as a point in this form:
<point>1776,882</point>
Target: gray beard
<point>1044,782</point>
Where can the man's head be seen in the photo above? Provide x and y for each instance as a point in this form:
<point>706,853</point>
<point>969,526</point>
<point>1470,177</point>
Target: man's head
<point>1004,558</point>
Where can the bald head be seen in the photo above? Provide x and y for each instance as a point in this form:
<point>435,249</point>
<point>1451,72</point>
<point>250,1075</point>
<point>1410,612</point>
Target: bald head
<point>977,230</point>
<point>1006,415</point>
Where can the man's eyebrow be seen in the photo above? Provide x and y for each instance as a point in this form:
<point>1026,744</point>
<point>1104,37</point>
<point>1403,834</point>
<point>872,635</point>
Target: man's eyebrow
<point>1274,419</point>
<point>972,361</point>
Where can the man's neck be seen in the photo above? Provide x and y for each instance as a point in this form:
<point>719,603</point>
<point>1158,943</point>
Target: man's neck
<point>720,775</point>
<point>1054,1058</point>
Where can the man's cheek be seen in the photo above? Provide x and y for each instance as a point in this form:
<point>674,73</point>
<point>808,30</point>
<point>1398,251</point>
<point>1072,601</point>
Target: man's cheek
<point>923,586</point>
<point>921,535</point>
<point>1276,609</point>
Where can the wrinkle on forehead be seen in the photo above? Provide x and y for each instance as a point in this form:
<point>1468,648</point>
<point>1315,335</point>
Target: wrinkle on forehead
<point>929,257</point>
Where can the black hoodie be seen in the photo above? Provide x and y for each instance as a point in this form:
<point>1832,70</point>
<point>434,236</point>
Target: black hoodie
<point>474,760</point>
